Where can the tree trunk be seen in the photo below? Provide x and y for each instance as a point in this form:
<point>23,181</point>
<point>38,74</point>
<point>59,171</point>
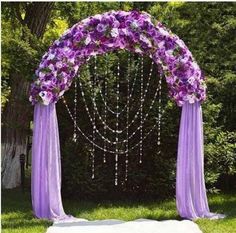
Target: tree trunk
<point>17,112</point>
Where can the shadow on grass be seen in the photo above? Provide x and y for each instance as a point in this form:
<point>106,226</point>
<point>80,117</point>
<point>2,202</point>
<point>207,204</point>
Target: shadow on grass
<point>17,211</point>
<point>133,210</point>
<point>225,204</point>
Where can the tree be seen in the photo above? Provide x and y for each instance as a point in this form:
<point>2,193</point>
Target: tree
<point>28,25</point>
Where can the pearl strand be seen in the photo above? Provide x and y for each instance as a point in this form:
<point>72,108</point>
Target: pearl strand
<point>159,116</point>
<point>105,110</point>
<point>127,121</point>
<point>117,121</point>
<point>75,112</point>
<point>137,112</point>
<point>114,131</point>
<point>131,94</point>
<point>94,118</point>
<point>141,113</point>
<point>97,146</point>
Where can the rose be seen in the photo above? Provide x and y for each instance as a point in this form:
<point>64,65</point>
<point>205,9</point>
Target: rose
<point>46,97</point>
<point>101,27</point>
<point>87,40</point>
<point>114,32</point>
<point>145,40</point>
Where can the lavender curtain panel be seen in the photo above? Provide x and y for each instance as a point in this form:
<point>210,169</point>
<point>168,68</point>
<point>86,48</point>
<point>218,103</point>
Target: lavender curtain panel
<point>190,184</point>
<point>46,164</point>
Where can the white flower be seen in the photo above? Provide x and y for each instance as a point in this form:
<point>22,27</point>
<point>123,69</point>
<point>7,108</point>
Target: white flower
<point>42,94</point>
<point>51,67</point>
<point>37,82</point>
<point>137,50</point>
<point>161,44</point>
<point>45,54</point>
<point>59,64</point>
<point>57,42</point>
<point>46,97</point>
<point>145,40</point>
<point>191,80</point>
<point>72,60</point>
<point>191,98</point>
<point>97,16</point>
<point>114,32</point>
<point>65,49</point>
<point>125,31</point>
<point>30,98</point>
<point>76,67</point>
<point>61,93</point>
<point>41,75</point>
<point>163,31</point>
<point>87,40</point>
<point>51,56</point>
<point>134,24</point>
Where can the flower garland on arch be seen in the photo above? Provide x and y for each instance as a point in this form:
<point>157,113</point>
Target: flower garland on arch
<point>134,31</point>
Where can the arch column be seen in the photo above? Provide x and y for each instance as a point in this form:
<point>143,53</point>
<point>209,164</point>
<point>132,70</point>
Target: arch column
<point>191,197</point>
<point>46,164</point>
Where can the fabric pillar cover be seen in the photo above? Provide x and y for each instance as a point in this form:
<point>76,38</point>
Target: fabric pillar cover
<point>190,184</point>
<point>46,164</point>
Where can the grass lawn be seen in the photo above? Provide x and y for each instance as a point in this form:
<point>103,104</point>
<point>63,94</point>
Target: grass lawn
<point>17,215</point>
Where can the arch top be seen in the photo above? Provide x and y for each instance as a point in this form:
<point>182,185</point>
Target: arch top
<point>134,31</point>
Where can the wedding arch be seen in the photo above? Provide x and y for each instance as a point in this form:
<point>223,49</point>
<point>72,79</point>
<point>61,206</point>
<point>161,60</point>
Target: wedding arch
<point>139,33</point>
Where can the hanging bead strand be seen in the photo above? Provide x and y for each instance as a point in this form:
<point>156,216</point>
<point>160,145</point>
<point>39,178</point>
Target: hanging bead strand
<point>75,111</point>
<point>159,115</point>
<point>96,145</point>
<point>141,113</point>
<point>105,111</point>
<point>127,121</point>
<point>117,121</point>
<point>136,114</point>
<point>107,126</point>
<point>94,116</point>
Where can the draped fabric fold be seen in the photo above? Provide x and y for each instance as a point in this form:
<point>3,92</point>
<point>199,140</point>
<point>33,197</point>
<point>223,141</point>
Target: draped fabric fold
<point>46,164</point>
<point>191,196</point>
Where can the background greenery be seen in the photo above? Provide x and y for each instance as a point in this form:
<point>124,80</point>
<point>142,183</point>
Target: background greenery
<point>208,29</point>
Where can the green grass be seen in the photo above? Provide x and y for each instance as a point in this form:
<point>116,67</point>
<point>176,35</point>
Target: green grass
<point>17,216</point>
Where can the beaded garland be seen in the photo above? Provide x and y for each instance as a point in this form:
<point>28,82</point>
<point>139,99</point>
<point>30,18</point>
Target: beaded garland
<point>93,84</point>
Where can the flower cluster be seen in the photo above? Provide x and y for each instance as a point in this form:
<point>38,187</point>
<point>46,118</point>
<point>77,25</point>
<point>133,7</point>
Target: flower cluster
<point>134,31</point>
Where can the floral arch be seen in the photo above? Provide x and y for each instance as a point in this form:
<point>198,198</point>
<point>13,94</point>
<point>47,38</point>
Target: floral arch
<point>139,33</point>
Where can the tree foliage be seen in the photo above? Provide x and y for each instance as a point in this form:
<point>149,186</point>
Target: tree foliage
<point>208,29</point>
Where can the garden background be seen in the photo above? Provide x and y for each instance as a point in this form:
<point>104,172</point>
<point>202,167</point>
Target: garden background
<point>208,29</point>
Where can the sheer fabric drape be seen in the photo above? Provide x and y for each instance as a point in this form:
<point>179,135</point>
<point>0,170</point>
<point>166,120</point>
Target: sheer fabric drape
<point>190,183</point>
<point>46,164</point>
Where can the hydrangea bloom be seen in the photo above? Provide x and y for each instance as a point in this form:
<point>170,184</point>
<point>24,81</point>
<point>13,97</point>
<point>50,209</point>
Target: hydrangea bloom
<point>99,34</point>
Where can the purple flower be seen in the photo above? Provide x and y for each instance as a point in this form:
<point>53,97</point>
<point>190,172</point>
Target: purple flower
<point>169,43</point>
<point>101,27</point>
<point>104,33</point>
